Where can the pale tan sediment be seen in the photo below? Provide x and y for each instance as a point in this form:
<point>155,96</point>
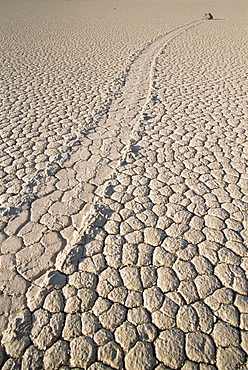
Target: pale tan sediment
<point>157,278</point>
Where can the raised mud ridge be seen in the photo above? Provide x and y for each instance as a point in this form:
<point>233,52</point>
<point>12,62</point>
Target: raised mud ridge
<point>130,258</point>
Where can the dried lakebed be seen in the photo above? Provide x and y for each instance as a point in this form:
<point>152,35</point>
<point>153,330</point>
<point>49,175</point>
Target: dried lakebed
<point>138,259</point>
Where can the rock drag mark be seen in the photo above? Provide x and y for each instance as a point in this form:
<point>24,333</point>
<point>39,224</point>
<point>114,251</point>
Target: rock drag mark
<point>136,290</point>
<point>68,184</point>
<point>32,239</point>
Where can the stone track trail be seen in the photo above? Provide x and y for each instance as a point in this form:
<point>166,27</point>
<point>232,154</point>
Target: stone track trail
<point>136,256</point>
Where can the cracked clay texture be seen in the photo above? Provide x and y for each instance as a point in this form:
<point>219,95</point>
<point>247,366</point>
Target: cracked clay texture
<point>123,186</point>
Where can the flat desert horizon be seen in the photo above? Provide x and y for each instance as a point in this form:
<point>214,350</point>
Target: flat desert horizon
<point>123,185</point>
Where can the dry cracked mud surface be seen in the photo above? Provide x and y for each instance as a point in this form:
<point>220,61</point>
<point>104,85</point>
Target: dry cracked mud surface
<point>125,247</point>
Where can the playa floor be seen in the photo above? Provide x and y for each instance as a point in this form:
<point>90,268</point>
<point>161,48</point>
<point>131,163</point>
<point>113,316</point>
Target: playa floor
<point>124,186</point>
